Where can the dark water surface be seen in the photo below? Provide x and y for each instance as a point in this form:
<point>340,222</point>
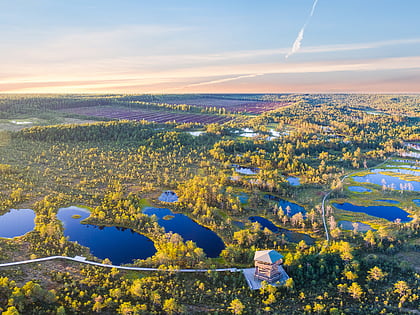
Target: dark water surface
<point>390,213</point>
<point>190,230</point>
<point>120,245</point>
<point>290,236</point>
<point>17,222</point>
<point>294,208</point>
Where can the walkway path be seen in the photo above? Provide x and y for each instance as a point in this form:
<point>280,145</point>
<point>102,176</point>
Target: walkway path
<point>83,260</point>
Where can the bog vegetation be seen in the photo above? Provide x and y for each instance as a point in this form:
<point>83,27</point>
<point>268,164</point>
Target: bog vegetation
<point>116,167</point>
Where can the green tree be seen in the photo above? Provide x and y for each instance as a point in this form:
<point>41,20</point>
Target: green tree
<point>236,307</point>
<point>376,274</point>
<point>11,310</point>
<point>170,306</point>
<point>355,290</point>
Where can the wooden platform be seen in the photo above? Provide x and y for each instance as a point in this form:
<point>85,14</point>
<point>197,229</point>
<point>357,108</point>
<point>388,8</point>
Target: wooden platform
<point>255,284</point>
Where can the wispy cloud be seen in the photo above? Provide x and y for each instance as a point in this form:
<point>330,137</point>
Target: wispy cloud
<point>299,38</point>
<point>201,77</point>
<point>222,80</point>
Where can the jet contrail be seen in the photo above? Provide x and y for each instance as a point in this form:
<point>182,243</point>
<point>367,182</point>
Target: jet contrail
<point>313,8</point>
<point>298,40</point>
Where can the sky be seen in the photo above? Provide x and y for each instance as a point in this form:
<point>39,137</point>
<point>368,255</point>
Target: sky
<point>209,46</point>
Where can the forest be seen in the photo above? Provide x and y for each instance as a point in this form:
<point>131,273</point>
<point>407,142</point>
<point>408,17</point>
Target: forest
<point>234,162</point>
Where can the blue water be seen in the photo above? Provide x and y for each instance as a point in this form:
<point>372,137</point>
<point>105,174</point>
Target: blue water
<point>294,208</point>
<point>17,222</point>
<point>209,241</point>
<point>120,245</point>
<point>393,181</point>
<point>417,202</point>
<point>359,189</point>
<point>398,170</point>
<point>348,225</point>
<point>390,213</point>
<point>290,236</point>
<point>245,170</point>
<point>265,223</point>
<point>243,197</point>
<point>388,201</point>
<point>239,224</point>
<point>410,166</point>
<point>294,181</point>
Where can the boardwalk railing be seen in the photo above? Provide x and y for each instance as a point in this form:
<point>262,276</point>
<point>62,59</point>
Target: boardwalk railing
<point>83,260</point>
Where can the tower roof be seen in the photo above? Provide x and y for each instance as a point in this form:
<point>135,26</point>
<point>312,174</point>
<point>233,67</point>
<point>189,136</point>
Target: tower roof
<point>267,256</point>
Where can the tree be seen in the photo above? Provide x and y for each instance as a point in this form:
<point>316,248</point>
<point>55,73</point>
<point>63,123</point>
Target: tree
<point>170,306</point>
<point>289,284</point>
<point>370,238</point>
<point>402,288</point>
<point>376,274</point>
<point>355,290</point>
<point>236,306</point>
<point>11,311</point>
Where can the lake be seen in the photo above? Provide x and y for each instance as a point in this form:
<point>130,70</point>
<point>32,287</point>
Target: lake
<point>294,208</point>
<point>17,222</point>
<point>289,236</point>
<point>195,133</point>
<point>359,189</point>
<point>391,213</point>
<point>388,201</point>
<point>120,245</point>
<point>245,170</point>
<point>348,225</point>
<point>168,196</point>
<point>391,181</point>
<point>293,181</point>
<point>243,197</point>
<point>179,223</point>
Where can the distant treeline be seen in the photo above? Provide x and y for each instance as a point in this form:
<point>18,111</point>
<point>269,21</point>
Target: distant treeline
<point>102,131</point>
<point>11,105</point>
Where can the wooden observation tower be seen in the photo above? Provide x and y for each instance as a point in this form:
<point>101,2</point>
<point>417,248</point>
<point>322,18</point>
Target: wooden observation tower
<point>267,263</point>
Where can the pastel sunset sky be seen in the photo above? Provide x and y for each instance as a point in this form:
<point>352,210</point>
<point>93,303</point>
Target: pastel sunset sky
<point>209,46</point>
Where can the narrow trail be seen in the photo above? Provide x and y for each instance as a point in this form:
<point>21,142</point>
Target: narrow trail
<point>83,260</point>
<point>324,199</point>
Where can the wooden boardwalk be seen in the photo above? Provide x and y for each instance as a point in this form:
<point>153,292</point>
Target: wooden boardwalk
<point>83,260</point>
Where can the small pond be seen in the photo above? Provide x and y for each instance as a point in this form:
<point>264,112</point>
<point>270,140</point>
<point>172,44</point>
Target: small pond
<point>17,222</point>
<point>391,213</point>
<point>247,132</point>
<point>245,170</point>
<point>417,202</point>
<point>179,223</point>
<point>196,133</point>
<point>389,181</point>
<point>410,166</point>
<point>239,224</point>
<point>284,204</point>
<point>359,189</point>
<point>120,245</point>
<point>348,225</point>
<point>289,236</point>
<point>293,181</point>
<point>168,196</point>
<point>243,197</point>
<point>388,201</point>
<point>275,133</point>
<point>405,171</point>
